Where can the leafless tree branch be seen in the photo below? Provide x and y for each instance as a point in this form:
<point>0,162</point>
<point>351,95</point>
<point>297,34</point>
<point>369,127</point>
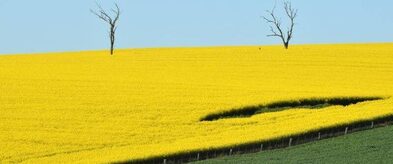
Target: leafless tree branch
<point>276,29</point>
<point>111,20</point>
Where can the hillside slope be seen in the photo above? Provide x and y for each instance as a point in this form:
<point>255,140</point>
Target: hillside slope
<point>93,107</point>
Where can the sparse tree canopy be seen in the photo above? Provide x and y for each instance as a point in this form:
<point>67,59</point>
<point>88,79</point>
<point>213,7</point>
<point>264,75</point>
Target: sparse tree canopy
<point>111,20</point>
<point>275,24</point>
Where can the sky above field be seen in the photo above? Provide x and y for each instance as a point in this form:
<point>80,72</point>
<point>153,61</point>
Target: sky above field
<point>46,25</point>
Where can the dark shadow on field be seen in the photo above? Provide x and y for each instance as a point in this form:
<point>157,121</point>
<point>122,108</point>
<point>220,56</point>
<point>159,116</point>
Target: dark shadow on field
<point>312,103</point>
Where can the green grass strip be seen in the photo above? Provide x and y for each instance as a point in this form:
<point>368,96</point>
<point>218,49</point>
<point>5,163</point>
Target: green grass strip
<point>370,146</point>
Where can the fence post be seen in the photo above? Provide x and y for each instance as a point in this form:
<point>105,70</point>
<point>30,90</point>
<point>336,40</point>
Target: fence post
<point>261,147</point>
<point>230,152</point>
<point>164,161</point>
<point>372,124</point>
<point>319,135</point>
<point>290,142</point>
<point>198,157</point>
<point>346,130</point>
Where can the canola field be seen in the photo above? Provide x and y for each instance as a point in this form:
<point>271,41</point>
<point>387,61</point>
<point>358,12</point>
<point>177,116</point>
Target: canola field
<point>90,107</point>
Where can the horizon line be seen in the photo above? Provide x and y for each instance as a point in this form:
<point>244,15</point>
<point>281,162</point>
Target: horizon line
<point>197,46</point>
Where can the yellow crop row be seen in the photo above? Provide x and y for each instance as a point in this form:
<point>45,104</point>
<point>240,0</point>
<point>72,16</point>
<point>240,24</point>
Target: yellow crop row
<point>89,107</point>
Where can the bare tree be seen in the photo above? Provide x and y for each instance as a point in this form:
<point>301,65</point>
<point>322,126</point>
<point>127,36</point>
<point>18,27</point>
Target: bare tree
<point>275,22</point>
<point>111,20</point>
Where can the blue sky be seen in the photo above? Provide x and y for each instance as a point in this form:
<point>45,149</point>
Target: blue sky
<point>28,26</point>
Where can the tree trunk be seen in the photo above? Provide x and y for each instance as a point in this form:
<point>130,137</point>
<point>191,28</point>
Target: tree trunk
<point>112,49</point>
<point>112,45</point>
<point>112,37</point>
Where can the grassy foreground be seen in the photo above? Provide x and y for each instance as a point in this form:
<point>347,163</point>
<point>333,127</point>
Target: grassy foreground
<point>370,146</point>
<point>90,107</point>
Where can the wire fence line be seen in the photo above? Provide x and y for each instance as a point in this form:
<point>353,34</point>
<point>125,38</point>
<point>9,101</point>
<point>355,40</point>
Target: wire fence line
<point>284,142</point>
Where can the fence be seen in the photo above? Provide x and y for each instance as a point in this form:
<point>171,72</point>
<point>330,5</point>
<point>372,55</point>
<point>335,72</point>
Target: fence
<point>268,145</point>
